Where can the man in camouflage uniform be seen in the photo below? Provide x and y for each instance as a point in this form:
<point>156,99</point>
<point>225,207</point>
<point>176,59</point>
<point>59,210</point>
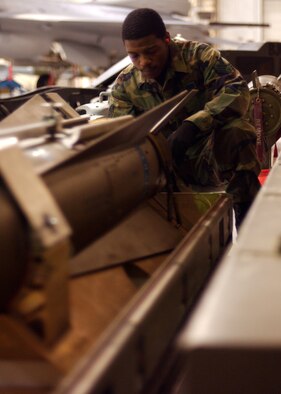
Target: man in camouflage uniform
<point>210,139</point>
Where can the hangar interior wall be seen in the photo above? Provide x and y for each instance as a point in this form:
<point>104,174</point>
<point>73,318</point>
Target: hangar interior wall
<point>245,11</point>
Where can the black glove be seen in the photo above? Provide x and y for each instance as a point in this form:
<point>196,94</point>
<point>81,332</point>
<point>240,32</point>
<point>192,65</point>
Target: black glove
<point>181,139</point>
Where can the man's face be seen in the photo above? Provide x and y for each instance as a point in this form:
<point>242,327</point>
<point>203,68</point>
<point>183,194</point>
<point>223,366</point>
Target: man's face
<point>148,54</point>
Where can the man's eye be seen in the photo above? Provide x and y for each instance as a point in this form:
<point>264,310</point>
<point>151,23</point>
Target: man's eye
<point>133,56</point>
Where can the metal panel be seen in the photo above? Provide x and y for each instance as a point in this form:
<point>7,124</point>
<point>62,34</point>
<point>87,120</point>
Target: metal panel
<point>233,342</point>
<point>132,347</point>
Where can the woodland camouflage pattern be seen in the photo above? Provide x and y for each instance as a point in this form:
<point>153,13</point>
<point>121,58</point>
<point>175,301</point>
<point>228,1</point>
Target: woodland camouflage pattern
<point>225,144</point>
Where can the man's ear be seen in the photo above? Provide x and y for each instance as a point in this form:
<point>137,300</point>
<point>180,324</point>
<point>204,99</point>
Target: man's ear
<point>168,38</point>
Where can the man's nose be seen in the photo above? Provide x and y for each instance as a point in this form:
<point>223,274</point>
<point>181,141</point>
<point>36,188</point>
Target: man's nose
<point>144,61</point>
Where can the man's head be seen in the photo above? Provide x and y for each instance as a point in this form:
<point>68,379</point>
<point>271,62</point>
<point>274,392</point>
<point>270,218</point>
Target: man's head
<point>146,41</point>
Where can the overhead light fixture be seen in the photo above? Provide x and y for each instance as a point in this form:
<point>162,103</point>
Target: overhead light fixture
<point>80,1</point>
<point>43,17</point>
<point>112,1</point>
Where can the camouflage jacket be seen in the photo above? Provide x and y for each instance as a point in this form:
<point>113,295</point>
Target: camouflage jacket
<point>222,92</point>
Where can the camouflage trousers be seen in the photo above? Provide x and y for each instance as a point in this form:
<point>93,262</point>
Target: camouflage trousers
<point>225,155</point>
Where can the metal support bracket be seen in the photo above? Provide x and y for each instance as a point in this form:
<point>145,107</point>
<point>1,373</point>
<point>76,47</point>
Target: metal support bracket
<point>43,300</point>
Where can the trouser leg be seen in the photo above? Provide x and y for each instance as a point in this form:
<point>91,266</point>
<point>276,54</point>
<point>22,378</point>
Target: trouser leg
<point>235,152</point>
<point>226,155</point>
<point>200,166</point>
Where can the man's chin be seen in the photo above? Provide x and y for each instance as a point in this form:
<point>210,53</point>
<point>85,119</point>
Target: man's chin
<point>149,75</point>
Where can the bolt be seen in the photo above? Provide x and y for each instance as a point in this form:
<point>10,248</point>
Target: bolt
<point>50,221</point>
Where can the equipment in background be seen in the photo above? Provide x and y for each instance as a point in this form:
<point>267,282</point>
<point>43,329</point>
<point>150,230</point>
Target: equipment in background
<point>73,96</point>
<point>97,108</point>
<point>265,114</point>
<point>263,57</point>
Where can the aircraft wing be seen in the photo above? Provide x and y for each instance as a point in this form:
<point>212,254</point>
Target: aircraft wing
<point>88,34</point>
<point>89,38</point>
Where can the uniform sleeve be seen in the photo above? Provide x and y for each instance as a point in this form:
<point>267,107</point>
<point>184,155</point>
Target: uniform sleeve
<point>119,101</point>
<point>227,91</point>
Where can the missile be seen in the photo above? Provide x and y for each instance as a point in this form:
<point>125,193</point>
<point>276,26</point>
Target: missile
<point>96,183</point>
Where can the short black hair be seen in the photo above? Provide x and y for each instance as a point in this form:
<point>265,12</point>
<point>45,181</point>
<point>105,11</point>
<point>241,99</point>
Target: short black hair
<point>141,23</point>
<point>43,80</point>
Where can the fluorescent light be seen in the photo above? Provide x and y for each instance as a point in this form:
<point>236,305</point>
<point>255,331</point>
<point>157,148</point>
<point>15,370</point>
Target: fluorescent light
<point>80,1</point>
<point>44,17</point>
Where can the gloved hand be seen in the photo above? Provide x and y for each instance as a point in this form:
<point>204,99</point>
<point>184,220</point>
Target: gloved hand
<point>181,139</point>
